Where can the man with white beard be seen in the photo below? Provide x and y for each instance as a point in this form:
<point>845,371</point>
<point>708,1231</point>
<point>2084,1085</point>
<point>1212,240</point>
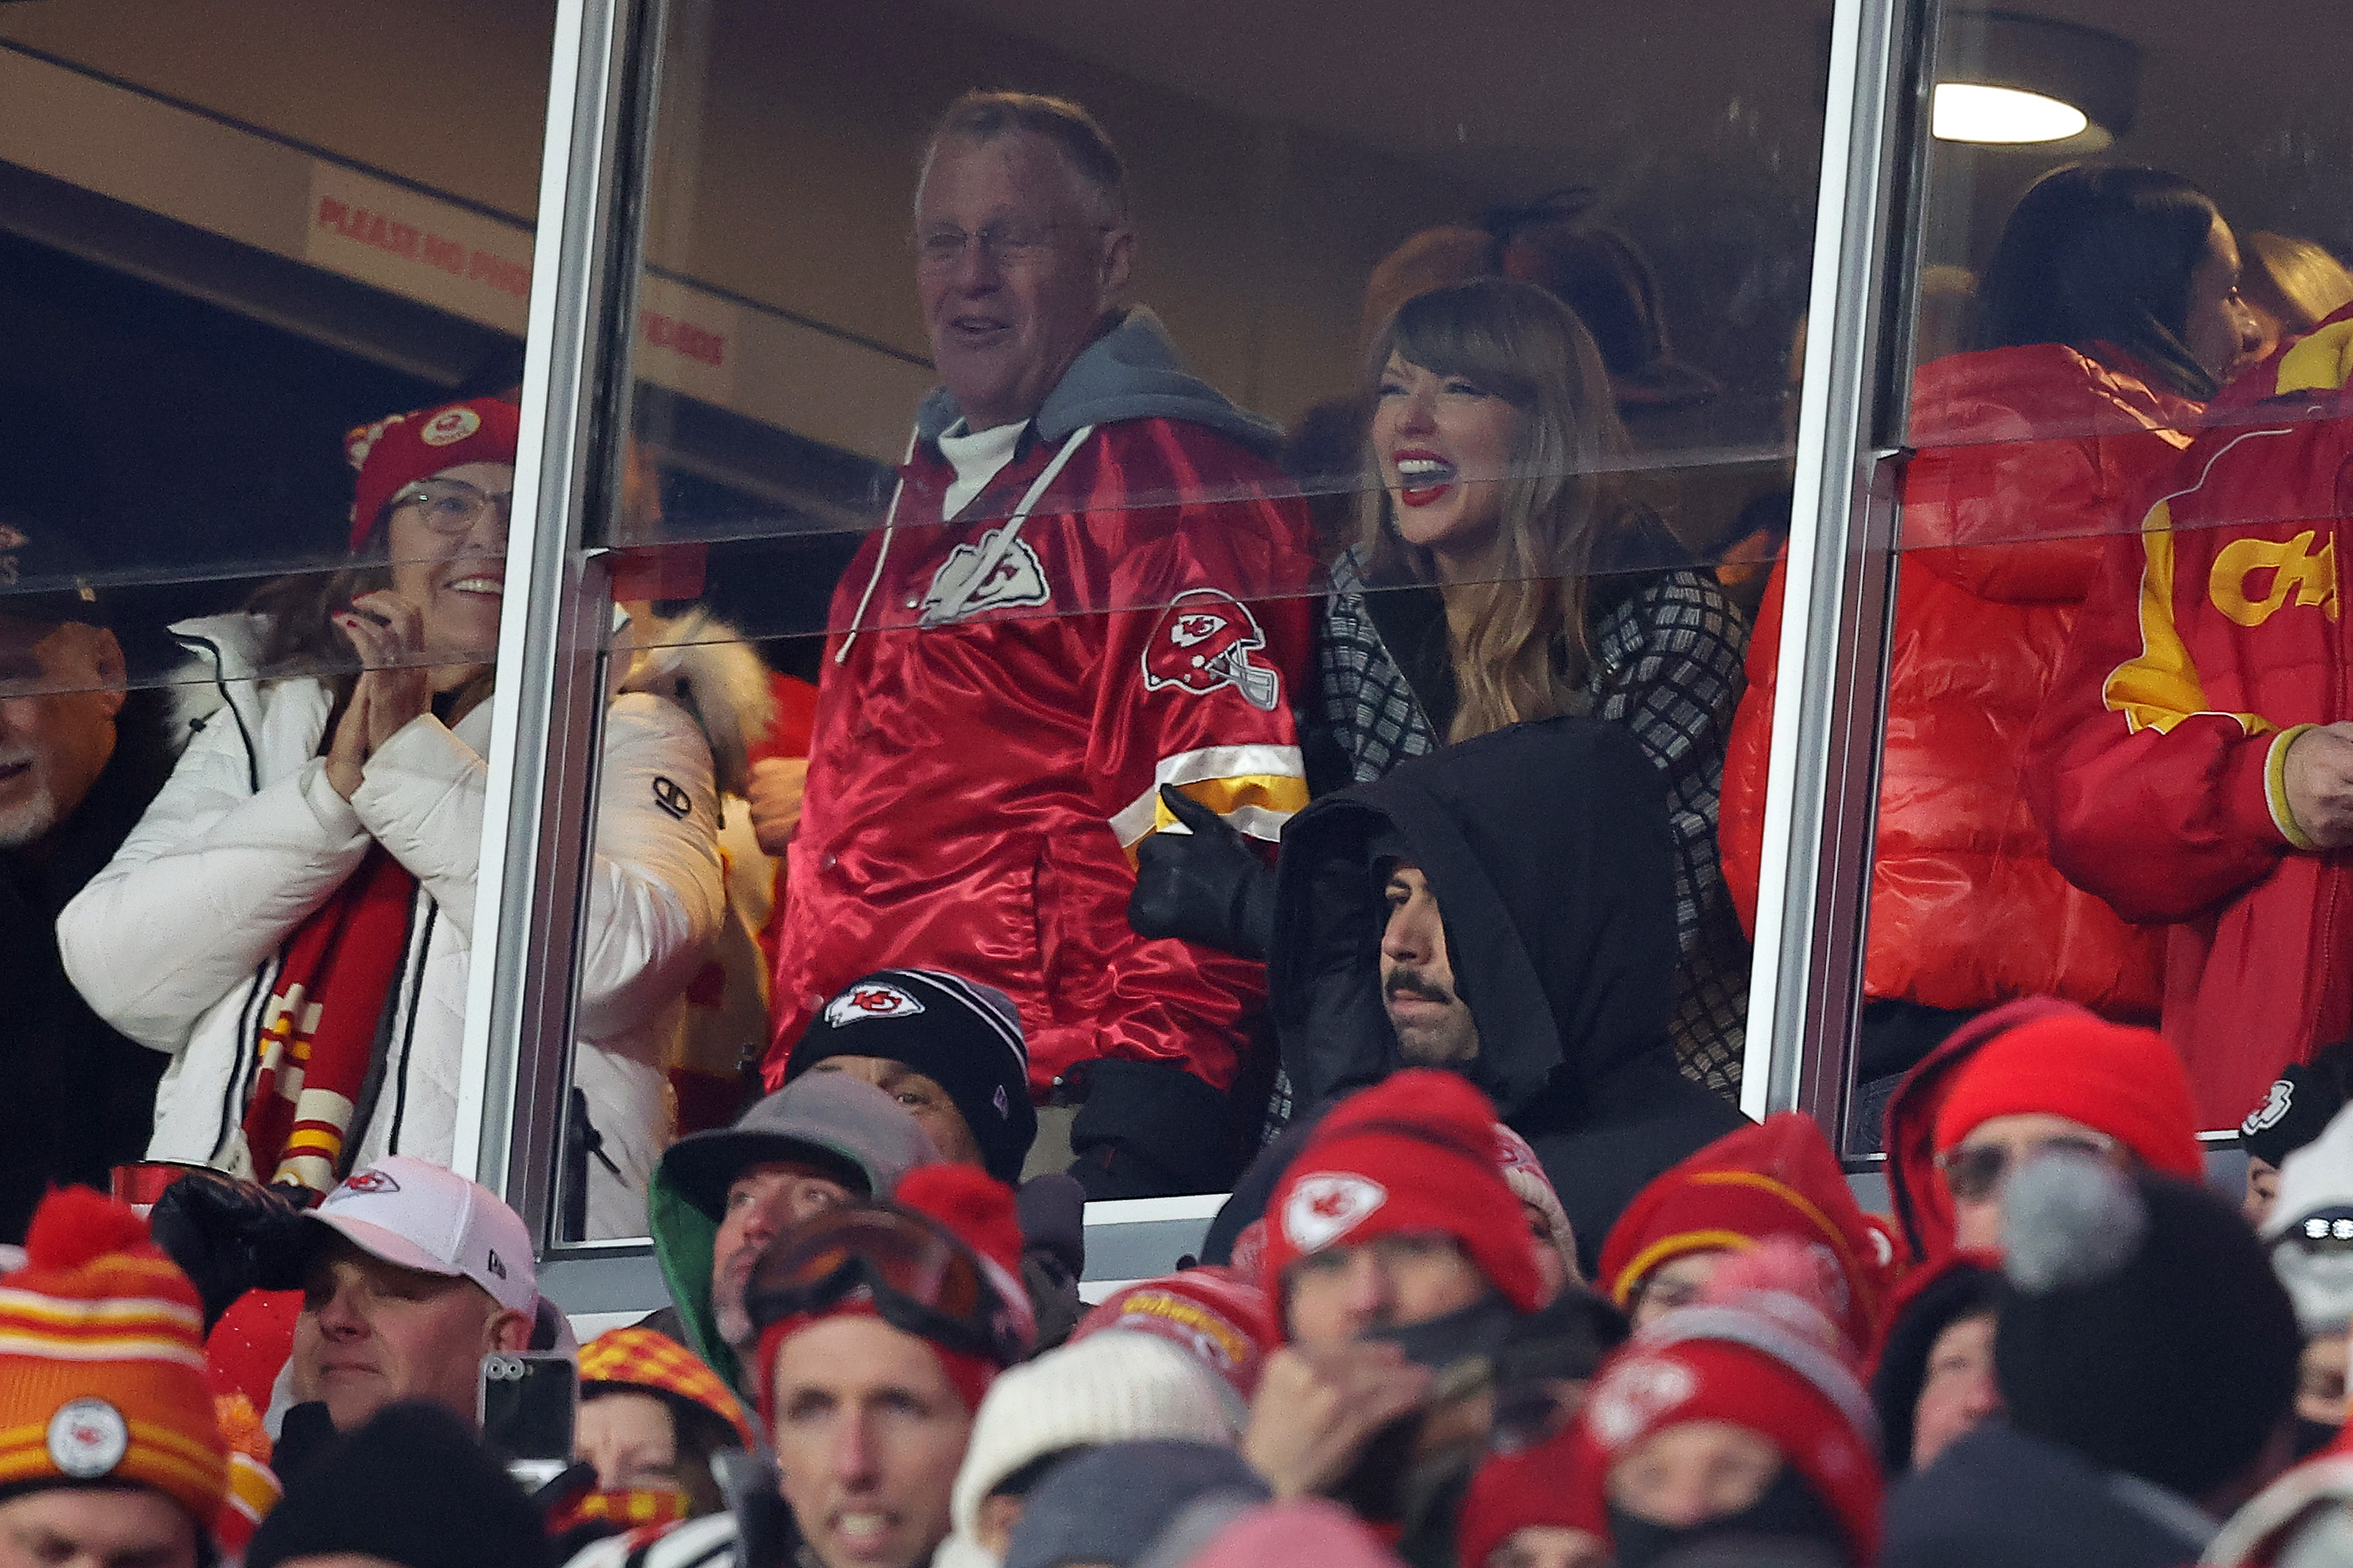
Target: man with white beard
<point>80,759</point>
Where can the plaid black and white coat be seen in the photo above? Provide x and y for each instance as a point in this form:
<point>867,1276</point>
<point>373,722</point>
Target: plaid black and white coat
<point>1668,649</point>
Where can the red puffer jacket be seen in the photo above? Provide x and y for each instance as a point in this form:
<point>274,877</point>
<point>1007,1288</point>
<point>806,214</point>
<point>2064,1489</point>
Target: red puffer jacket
<point>2028,458</point>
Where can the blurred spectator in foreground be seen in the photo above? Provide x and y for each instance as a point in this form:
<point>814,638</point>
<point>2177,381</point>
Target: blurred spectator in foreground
<point>1112,1389</point>
<point>1932,1377</point>
<point>1109,1508</point>
<point>2146,1357</point>
<point>302,889</point>
<point>1451,915</point>
<point>1753,1183</point>
<point>1401,1260</point>
<point>881,1327</point>
<point>2309,1234</point>
<point>109,1453</point>
<point>80,759</point>
<point>2194,764</point>
<point>2304,1100</point>
<point>916,1348</point>
<point>2024,1078</point>
<point>2107,316</point>
<point>2303,1519</point>
<point>1737,1418</point>
<point>720,1197</point>
<point>411,1488</point>
<point>1219,1316</point>
<point>651,1418</point>
<point>2290,287</point>
<point>983,773</point>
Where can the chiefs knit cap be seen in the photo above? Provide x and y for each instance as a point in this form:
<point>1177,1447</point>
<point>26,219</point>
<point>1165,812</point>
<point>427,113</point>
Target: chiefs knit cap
<point>640,1358</point>
<point>972,1210</point>
<point>963,1036</point>
<point>2296,1108</point>
<point>1759,1352</point>
<point>1213,1314</point>
<point>1113,1388</point>
<point>1413,1154</point>
<point>2111,1078</point>
<point>402,448</point>
<point>102,1362</point>
<point>1511,1492</point>
<point>1777,1179</point>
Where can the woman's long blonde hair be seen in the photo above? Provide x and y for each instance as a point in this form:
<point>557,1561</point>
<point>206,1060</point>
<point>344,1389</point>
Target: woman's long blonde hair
<point>1522,651</point>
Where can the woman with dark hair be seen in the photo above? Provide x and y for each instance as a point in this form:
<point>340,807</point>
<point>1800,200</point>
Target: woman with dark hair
<point>292,920</point>
<point>2108,315</point>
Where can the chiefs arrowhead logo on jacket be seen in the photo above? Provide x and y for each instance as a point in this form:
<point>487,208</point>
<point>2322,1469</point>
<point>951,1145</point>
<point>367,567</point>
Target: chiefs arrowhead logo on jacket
<point>874,999</point>
<point>1204,641</point>
<point>1015,577</point>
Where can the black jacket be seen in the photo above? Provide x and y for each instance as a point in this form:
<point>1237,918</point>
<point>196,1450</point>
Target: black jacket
<point>1999,1499</point>
<point>1546,846</point>
<point>80,1098</point>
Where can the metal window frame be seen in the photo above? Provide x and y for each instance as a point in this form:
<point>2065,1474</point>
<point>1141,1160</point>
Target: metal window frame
<point>1822,788</point>
<point>547,728</point>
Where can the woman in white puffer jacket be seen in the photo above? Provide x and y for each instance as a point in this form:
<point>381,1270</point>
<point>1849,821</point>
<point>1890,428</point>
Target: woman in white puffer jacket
<point>292,918</point>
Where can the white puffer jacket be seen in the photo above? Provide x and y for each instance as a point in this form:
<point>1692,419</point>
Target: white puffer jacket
<point>177,941</point>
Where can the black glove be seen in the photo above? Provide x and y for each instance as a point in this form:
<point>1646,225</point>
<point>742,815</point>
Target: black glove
<point>228,1236</point>
<point>1150,1129</point>
<point>1208,886</point>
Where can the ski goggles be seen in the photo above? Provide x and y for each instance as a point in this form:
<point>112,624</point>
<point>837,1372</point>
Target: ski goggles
<point>920,1280</point>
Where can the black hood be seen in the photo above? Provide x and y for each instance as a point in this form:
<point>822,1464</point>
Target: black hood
<point>1547,847</point>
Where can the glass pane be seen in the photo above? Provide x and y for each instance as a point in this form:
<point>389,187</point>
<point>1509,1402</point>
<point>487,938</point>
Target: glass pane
<point>996,618</point>
<point>2113,530</point>
<point>243,770</point>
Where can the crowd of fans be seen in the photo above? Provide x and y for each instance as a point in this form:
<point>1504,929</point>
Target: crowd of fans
<point>1505,1280</point>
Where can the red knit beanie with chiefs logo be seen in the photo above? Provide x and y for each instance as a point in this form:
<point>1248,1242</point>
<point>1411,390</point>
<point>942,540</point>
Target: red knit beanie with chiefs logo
<point>402,448</point>
<point>1766,1359</point>
<point>1413,1154</point>
<point>1778,1179</point>
<point>2111,1078</point>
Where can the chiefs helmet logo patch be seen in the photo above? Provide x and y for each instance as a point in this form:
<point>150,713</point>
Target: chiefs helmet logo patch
<point>871,1000</point>
<point>1203,642</point>
<point>370,1181</point>
<point>1324,1207</point>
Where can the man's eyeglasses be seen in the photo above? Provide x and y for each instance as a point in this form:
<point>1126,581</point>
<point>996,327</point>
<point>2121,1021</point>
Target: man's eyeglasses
<point>452,506</point>
<point>1005,243</point>
<point>1974,1171</point>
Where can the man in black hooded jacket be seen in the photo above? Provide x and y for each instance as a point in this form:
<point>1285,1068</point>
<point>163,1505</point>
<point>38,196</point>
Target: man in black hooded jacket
<point>1546,851</point>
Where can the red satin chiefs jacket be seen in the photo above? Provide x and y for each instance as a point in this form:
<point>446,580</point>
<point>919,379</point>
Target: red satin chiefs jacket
<point>992,735</point>
<point>2030,459</point>
<point>2215,635</point>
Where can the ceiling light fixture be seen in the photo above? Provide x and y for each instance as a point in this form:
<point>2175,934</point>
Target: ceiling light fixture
<point>1972,111</point>
<point>2008,79</point>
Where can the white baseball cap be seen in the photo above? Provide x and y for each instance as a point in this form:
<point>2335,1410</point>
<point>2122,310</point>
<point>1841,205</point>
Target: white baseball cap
<point>422,1216</point>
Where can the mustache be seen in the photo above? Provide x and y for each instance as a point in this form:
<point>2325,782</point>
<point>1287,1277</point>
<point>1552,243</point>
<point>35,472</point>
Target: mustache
<point>1411,982</point>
